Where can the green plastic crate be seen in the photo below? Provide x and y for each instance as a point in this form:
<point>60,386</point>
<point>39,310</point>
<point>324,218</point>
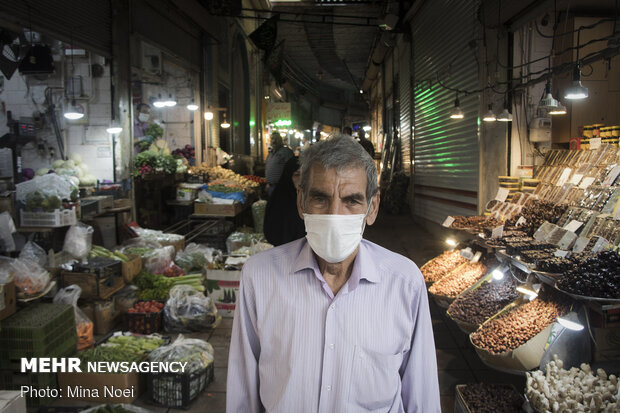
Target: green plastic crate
<point>13,380</point>
<point>62,346</point>
<point>36,326</point>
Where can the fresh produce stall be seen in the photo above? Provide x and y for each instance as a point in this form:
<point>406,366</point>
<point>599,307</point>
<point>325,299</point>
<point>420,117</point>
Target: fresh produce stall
<point>534,281</point>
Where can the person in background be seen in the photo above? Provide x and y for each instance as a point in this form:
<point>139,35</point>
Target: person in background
<point>282,221</point>
<point>141,121</point>
<point>274,165</point>
<point>332,322</point>
<point>368,146</point>
<point>347,131</point>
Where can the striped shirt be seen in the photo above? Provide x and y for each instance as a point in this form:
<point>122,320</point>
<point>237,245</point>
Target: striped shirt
<point>296,347</point>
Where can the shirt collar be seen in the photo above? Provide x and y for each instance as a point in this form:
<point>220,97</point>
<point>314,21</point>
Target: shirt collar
<point>363,266</point>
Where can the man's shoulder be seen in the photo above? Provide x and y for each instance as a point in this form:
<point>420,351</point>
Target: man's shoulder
<point>393,264</point>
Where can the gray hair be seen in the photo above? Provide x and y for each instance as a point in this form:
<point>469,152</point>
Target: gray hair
<point>340,152</point>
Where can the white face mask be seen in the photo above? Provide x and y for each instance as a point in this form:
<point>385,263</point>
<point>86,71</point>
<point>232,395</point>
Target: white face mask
<point>143,117</point>
<point>334,237</point>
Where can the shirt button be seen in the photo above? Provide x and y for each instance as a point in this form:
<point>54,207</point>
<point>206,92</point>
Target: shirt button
<point>329,388</point>
<point>333,306</point>
<point>331,346</point>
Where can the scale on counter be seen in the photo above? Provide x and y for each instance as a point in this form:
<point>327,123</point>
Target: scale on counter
<point>21,133</point>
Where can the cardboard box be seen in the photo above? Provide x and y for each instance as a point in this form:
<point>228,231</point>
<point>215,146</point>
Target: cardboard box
<point>227,290</point>
<point>8,302</point>
<point>218,210</point>
<point>105,202</point>
<point>96,387</point>
<point>12,402</point>
<point>607,344</point>
<point>132,268</point>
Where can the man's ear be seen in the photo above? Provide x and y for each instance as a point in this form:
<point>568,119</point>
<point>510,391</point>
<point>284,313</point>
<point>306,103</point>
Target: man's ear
<point>374,209</point>
<point>300,210</point>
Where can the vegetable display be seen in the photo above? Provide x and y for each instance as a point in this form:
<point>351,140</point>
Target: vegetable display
<point>153,162</point>
<point>188,310</point>
<point>147,307</point>
<point>127,348</point>
<point>157,287</point>
<point>254,178</point>
<point>98,251</point>
<point>188,152</point>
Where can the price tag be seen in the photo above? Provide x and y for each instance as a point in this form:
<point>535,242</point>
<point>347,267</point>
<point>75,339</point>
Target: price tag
<point>467,253</point>
<point>476,257</point>
<point>600,245</point>
<point>497,232</point>
<point>521,221</point>
<point>581,244</point>
<point>561,253</point>
<point>567,240</point>
<point>573,226</point>
<point>502,194</point>
<point>587,181</point>
<point>575,179</point>
<point>617,214</point>
<point>595,143</point>
<point>564,177</point>
<point>448,222</point>
<point>611,177</point>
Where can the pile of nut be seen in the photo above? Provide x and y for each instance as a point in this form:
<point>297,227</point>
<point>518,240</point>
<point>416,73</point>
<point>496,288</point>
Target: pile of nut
<point>441,265</point>
<point>478,305</point>
<point>598,276</point>
<point>535,213</point>
<point>474,222</point>
<point>458,280</point>
<point>574,390</point>
<point>519,325</point>
<point>491,398</point>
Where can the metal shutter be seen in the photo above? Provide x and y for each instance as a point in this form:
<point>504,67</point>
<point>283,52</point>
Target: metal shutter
<point>404,78</point>
<point>446,152</point>
<point>87,23</point>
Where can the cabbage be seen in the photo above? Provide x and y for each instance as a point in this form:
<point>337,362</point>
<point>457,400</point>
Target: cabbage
<point>79,172</point>
<point>76,158</point>
<point>69,164</point>
<point>88,180</point>
<point>74,180</point>
<point>42,171</point>
<point>84,168</point>
<point>57,164</point>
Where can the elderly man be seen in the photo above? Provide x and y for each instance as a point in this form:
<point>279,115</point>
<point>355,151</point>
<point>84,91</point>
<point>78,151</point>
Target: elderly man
<point>277,158</point>
<point>331,322</point>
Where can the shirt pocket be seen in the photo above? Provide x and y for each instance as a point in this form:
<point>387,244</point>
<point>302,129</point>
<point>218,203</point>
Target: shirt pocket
<point>375,380</point>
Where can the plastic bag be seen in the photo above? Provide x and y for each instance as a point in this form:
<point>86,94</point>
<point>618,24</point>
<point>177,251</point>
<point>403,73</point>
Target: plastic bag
<point>188,310</point>
<point>130,408</point>
<point>7,228</point>
<point>155,235</point>
<point>195,257</point>
<point>139,246</point>
<point>79,240</point>
<point>33,252</point>
<point>158,260</point>
<point>50,184</point>
<point>30,278</point>
<point>198,353</point>
<point>6,270</point>
<point>84,326</point>
<point>258,214</point>
<point>238,239</point>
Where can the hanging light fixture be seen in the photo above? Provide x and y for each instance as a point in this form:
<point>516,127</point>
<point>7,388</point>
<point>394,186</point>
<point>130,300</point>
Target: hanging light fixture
<point>225,123</point>
<point>159,102</point>
<point>489,116</point>
<point>576,91</point>
<point>560,110</point>
<point>456,112</point>
<point>548,101</point>
<point>505,116</point>
<point>170,102</point>
<point>192,105</point>
<point>114,128</point>
<point>208,115</point>
<point>74,111</point>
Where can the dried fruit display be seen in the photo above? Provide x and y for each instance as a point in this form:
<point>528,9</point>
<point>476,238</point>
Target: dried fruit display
<point>598,276</point>
<point>458,280</point>
<point>491,398</point>
<point>441,265</point>
<point>476,306</point>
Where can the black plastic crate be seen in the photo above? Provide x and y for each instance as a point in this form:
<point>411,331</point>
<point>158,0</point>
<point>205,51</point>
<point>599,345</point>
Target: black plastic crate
<point>143,323</point>
<point>178,390</point>
<point>89,207</point>
<point>215,236</point>
<point>103,267</point>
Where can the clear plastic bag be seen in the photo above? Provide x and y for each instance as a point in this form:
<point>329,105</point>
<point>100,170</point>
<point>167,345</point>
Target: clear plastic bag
<point>157,236</point>
<point>79,240</point>
<point>195,257</point>
<point>84,326</point>
<point>30,278</point>
<point>188,310</point>
<point>198,353</point>
<point>127,407</point>
<point>159,259</point>
<point>50,184</point>
<point>33,252</point>
<point>6,270</point>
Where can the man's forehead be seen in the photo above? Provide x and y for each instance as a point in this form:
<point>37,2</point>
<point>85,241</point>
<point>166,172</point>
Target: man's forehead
<point>348,176</point>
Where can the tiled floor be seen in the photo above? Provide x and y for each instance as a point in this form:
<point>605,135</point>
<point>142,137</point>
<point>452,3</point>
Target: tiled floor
<point>457,362</point>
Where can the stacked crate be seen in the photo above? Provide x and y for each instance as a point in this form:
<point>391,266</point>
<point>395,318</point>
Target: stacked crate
<point>40,330</point>
<point>512,183</point>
